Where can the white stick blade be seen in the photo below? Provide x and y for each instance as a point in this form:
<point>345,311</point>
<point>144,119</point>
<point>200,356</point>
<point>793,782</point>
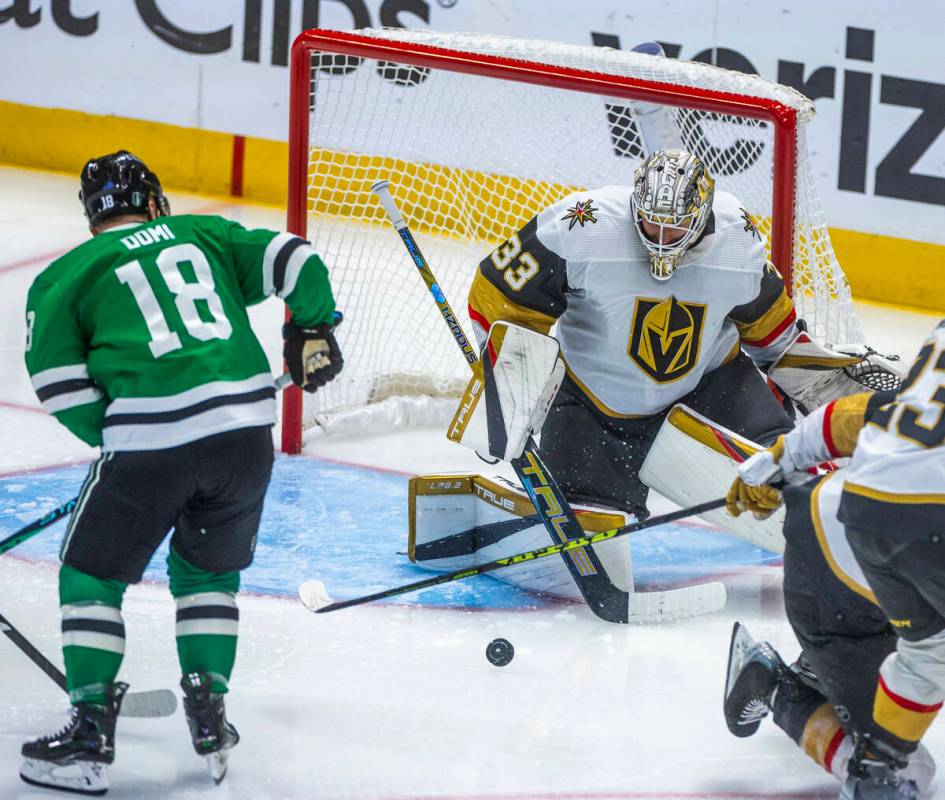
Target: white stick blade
<point>690,601</point>
<point>314,595</point>
<point>154,703</point>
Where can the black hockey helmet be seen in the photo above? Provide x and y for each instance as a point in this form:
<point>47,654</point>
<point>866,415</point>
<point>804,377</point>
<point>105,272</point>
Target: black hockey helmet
<point>119,183</point>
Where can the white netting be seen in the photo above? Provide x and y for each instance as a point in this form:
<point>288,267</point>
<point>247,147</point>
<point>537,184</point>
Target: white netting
<point>471,158</point>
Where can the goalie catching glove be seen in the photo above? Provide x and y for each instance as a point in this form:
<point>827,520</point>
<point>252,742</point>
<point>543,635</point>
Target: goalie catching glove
<point>812,375</point>
<point>510,392</point>
<point>311,353</point>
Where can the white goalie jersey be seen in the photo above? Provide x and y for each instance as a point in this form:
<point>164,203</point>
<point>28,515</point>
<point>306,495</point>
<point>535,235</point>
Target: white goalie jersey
<point>634,345</point>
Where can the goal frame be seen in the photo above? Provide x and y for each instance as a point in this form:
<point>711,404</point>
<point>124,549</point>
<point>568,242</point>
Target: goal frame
<point>782,118</point>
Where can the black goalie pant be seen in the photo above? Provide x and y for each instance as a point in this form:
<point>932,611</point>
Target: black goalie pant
<point>209,491</point>
<point>845,637</point>
<point>596,459</point>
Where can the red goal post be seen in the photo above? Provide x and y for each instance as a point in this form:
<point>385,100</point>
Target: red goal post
<point>324,87</point>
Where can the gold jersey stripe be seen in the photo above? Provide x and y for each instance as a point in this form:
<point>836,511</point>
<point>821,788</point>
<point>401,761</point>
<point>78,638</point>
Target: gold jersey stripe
<point>835,568</point>
<point>761,328</point>
<point>847,418</point>
<point>487,301</point>
<point>598,403</point>
<point>893,497</point>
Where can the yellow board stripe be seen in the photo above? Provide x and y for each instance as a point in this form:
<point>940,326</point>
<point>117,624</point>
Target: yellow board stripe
<point>196,160</point>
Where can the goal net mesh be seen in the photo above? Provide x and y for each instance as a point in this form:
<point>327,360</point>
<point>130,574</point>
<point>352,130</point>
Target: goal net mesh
<point>471,157</point>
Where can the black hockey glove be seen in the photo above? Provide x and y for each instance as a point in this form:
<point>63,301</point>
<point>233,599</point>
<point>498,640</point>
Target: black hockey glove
<point>312,354</point>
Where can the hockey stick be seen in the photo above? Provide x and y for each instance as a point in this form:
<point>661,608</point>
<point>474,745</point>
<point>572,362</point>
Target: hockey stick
<point>642,606</point>
<point>36,526</point>
<point>604,599</point>
<point>154,703</point>
<point>66,508</point>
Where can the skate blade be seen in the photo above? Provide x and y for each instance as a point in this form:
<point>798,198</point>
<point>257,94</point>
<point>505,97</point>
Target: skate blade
<point>737,654</point>
<point>80,777</point>
<point>216,763</point>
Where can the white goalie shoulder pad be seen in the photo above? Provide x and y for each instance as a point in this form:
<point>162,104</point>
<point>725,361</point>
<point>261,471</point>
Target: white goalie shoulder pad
<point>813,375</point>
<point>510,392</point>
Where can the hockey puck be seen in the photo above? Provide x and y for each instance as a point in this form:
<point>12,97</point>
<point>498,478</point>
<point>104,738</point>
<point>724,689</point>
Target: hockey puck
<point>500,652</point>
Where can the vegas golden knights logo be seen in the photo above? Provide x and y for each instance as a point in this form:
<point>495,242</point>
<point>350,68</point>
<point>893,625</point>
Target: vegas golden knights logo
<point>665,337</point>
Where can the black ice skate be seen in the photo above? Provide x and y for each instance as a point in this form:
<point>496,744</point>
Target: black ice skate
<point>212,735</point>
<point>74,759</point>
<point>754,672</point>
<point>875,774</point>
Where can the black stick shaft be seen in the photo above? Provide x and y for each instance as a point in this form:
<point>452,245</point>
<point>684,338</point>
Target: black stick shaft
<point>32,653</point>
<point>35,527</point>
<point>529,555</point>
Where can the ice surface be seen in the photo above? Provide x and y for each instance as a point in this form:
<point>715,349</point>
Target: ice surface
<point>392,700</point>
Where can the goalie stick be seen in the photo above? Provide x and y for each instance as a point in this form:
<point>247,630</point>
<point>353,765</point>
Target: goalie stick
<point>154,703</point>
<point>602,597</point>
<point>641,606</point>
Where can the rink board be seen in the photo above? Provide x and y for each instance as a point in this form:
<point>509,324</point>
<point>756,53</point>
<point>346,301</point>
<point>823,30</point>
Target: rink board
<point>347,525</point>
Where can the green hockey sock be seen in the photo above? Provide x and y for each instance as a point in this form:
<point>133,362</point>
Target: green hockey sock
<point>207,619</point>
<point>93,633</point>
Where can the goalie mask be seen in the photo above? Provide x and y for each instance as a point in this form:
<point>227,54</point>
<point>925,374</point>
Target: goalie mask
<point>672,196</point>
<point>119,183</point>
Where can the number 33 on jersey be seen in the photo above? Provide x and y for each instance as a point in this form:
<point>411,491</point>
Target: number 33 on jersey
<point>156,295</point>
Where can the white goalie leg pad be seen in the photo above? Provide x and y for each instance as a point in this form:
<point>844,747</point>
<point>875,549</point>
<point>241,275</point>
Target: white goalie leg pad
<point>813,375</point>
<point>510,392</point>
<point>693,461</point>
<point>459,521</point>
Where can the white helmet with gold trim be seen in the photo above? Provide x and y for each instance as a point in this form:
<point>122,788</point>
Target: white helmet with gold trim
<point>671,203</point>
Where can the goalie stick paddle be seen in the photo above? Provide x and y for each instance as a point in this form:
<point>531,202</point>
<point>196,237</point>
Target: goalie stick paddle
<point>66,508</point>
<point>641,606</point>
<point>604,599</point>
<point>154,703</point>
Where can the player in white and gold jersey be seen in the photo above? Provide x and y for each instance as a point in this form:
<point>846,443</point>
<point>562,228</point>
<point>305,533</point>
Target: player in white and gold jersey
<point>880,525</point>
<point>660,293</point>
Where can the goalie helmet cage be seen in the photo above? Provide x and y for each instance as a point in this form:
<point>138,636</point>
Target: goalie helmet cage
<point>477,133</point>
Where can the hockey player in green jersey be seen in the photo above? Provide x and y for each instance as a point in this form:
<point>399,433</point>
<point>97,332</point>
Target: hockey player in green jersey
<point>139,342</point>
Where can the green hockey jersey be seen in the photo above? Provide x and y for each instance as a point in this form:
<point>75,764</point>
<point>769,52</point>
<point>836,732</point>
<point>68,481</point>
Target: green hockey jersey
<point>139,339</point>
